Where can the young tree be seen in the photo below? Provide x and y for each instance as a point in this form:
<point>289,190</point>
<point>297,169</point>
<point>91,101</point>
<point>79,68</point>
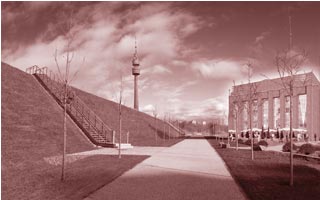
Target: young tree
<point>237,102</point>
<point>64,75</point>
<point>155,114</point>
<point>120,114</point>
<point>289,64</point>
<point>251,93</point>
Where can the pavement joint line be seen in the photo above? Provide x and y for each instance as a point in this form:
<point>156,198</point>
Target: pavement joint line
<point>183,170</point>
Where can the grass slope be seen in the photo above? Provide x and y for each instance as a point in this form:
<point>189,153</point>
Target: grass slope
<point>31,128</point>
<point>267,177</point>
<point>144,130</point>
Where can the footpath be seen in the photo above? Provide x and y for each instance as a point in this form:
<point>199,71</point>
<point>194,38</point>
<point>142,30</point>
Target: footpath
<point>191,169</point>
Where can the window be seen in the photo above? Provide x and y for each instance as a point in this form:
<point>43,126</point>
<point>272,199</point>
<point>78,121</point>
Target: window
<point>302,111</point>
<point>245,115</point>
<point>276,112</point>
<point>287,112</point>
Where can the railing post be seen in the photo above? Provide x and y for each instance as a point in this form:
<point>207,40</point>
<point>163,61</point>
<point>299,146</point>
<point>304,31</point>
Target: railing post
<point>102,127</point>
<point>82,114</point>
<point>82,111</point>
<point>113,137</point>
<point>128,133</point>
<point>105,136</point>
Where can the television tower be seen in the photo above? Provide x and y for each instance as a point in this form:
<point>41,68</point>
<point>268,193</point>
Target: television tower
<point>135,73</point>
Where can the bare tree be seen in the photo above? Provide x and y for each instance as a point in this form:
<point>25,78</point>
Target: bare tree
<point>64,75</point>
<point>252,94</point>
<point>237,108</point>
<point>155,114</point>
<point>289,64</point>
<point>120,114</point>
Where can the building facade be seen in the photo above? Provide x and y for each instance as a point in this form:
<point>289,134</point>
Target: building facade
<point>267,104</point>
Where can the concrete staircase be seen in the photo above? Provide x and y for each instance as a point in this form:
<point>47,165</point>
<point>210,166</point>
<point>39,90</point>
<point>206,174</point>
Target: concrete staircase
<point>92,126</point>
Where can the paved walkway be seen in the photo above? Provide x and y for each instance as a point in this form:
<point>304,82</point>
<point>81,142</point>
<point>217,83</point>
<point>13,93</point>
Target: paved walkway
<point>190,169</point>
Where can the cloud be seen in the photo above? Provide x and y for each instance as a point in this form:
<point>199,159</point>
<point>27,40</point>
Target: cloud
<point>156,70</point>
<point>148,109</point>
<point>206,109</point>
<point>107,42</point>
<point>262,36</point>
<point>219,69</point>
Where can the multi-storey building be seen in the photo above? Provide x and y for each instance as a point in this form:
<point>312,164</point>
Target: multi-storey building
<point>269,102</point>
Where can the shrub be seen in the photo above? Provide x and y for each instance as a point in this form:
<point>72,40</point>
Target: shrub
<point>248,142</point>
<point>286,147</point>
<point>263,143</point>
<point>240,141</point>
<point>307,149</point>
<point>256,147</point>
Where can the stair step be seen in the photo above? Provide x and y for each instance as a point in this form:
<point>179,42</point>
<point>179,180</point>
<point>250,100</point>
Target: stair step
<point>124,146</point>
<point>57,90</point>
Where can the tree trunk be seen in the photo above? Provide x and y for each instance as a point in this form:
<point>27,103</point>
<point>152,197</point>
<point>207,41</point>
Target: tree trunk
<point>291,142</point>
<point>64,133</point>
<point>120,126</point>
<point>250,126</point>
<point>237,142</point>
<point>155,119</point>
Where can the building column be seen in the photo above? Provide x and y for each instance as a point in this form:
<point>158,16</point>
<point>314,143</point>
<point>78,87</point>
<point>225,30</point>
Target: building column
<point>271,111</point>
<point>310,113</point>
<point>282,109</point>
<point>295,111</point>
<point>231,117</point>
<point>260,112</point>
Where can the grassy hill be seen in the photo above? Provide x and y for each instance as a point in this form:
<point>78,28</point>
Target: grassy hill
<point>31,130</point>
<point>31,120</point>
<point>143,129</point>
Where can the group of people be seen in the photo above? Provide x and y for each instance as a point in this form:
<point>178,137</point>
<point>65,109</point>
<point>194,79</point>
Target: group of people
<point>280,135</point>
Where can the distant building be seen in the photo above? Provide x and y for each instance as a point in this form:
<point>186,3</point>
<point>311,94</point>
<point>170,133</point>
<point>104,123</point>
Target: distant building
<point>270,106</point>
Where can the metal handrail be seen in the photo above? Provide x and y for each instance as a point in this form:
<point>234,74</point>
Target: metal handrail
<point>78,105</point>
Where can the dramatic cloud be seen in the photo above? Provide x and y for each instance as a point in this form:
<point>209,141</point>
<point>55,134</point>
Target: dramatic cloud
<point>189,51</point>
<point>220,69</point>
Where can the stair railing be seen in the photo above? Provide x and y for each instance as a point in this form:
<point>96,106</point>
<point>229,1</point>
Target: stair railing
<point>76,106</point>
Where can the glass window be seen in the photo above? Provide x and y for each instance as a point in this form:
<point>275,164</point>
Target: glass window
<point>265,116</point>
<point>276,112</point>
<point>302,111</point>
<point>287,112</point>
<point>245,115</point>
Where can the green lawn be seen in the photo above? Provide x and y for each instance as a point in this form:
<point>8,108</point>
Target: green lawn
<point>83,177</point>
<point>267,177</point>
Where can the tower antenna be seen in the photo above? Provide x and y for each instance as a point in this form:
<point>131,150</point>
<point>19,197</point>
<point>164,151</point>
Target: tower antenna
<point>290,29</point>
<point>135,46</point>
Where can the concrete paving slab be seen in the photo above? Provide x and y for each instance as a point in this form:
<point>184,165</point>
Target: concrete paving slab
<point>191,169</point>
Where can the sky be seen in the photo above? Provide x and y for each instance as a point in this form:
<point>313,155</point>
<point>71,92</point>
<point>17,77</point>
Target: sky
<point>190,52</point>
